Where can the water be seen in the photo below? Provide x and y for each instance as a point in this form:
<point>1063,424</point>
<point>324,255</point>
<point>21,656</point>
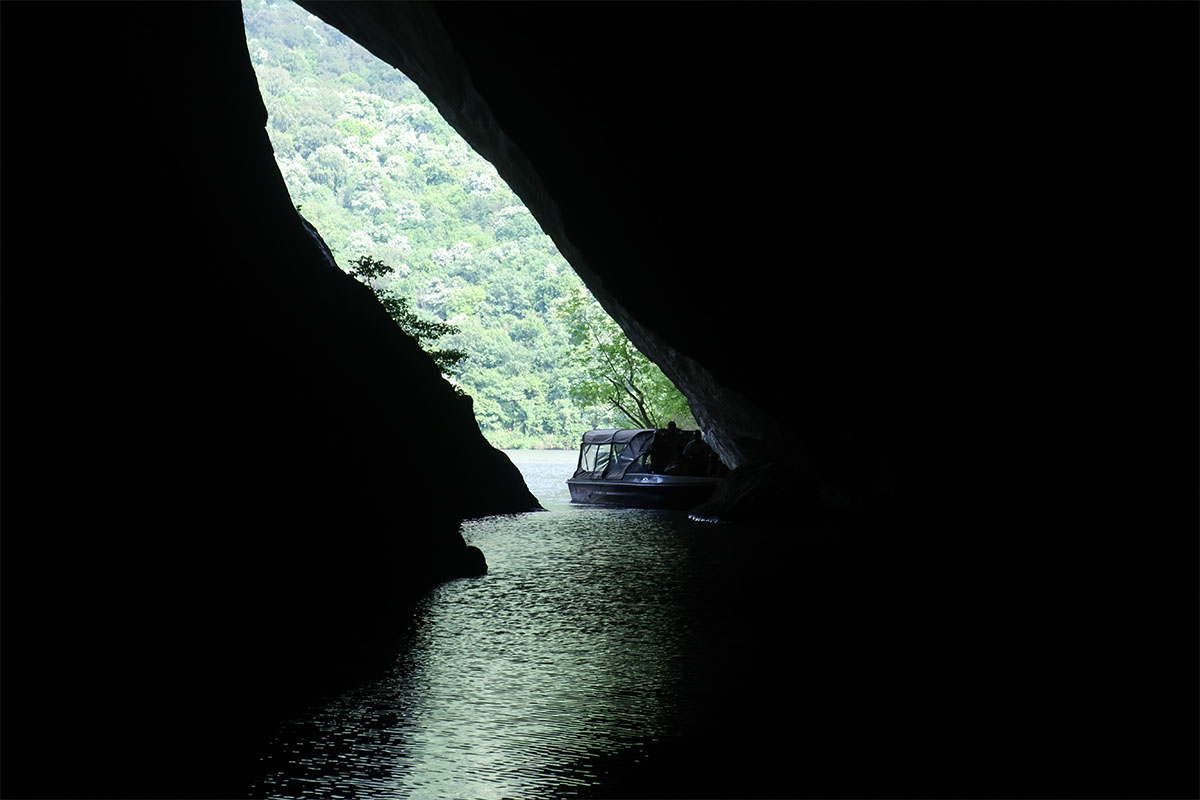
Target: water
<point>638,654</point>
<point>594,642</point>
<point>546,473</point>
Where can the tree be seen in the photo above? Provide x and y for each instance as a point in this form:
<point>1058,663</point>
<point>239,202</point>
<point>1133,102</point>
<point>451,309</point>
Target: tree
<point>618,376</point>
<point>369,271</point>
<point>329,167</point>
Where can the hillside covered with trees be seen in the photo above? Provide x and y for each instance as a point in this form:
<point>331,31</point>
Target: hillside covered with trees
<point>373,166</point>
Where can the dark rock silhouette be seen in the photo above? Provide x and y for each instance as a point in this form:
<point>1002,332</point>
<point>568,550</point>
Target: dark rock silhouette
<point>230,473</point>
<point>952,253</point>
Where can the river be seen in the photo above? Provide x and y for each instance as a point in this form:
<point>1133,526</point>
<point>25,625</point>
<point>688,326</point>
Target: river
<point>595,645</point>
<point>613,653</point>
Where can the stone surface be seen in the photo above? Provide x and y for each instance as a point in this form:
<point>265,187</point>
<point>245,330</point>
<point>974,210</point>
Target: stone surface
<point>887,248</point>
<point>938,260</point>
<point>228,473</point>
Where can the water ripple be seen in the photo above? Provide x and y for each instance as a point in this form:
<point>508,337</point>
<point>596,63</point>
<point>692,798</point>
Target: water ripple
<point>570,649</point>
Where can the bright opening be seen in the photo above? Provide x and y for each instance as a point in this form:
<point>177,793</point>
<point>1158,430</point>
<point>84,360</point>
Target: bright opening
<point>409,208</point>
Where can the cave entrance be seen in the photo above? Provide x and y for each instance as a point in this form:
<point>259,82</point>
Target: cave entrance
<point>407,206</point>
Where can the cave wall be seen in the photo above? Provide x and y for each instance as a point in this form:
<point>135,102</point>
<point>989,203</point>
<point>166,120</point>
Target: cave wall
<point>926,271</point>
<point>939,258</point>
<point>889,247</point>
<point>227,473</point>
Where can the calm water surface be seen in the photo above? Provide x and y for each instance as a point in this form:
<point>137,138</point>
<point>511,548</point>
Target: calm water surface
<point>579,646</point>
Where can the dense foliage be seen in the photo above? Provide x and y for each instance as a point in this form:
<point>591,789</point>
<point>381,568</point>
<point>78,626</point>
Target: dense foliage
<point>382,176</point>
<point>616,375</point>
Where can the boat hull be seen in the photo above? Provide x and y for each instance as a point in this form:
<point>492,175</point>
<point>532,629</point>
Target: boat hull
<point>644,491</point>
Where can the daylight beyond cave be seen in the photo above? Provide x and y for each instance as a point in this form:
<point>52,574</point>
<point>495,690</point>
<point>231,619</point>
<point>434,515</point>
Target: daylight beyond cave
<point>377,170</point>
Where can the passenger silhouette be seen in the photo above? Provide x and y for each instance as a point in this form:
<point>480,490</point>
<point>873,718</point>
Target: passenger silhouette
<point>665,449</point>
<point>696,455</point>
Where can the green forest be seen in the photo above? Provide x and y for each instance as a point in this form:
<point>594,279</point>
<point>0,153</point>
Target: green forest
<point>372,165</point>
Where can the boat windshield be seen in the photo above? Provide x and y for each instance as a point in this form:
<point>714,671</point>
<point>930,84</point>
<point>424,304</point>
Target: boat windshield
<point>594,457</point>
<point>612,453</point>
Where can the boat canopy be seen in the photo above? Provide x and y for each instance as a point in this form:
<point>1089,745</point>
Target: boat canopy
<point>610,453</point>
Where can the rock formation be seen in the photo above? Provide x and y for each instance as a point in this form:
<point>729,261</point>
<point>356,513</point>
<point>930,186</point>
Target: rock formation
<point>864,244</point>
<point>932,264</point>
<point>230,471</point>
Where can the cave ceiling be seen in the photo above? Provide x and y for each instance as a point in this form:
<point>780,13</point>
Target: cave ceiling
<point>822,220</point>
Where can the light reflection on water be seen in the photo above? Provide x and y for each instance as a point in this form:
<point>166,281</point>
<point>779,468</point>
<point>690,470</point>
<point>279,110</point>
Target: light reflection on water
<point>571,648</point>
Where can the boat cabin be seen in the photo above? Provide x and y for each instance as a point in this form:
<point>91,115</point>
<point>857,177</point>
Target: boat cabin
<point>644,467</point>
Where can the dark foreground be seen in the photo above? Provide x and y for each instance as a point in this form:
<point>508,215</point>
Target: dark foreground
<point>624,653</point>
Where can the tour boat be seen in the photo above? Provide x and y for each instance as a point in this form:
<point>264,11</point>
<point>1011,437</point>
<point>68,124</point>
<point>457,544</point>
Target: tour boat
<point>645,468</point>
